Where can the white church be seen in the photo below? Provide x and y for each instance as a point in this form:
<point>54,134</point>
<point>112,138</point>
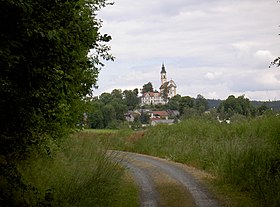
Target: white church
<point>167,90</point>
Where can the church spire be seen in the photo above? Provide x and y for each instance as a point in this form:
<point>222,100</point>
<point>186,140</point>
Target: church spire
<point>163,74</point>
<point>163,69</point>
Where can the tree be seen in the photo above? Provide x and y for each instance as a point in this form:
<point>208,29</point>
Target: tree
<point>174,102</point>
<point>96,118</point>
<point>186,102</point>
<point>131,99</point>
<point>239,105</point>
<point>262,109</point>
<point>120,108</point>
<point>144,117</point>
<point>109,114</point>
<point>45,67</point>
<point>117,93</point>
<point>136,92</point>
<point>148,87</point>
<point>201,103</point>
<point>105,98</point>
<point>46,72</point>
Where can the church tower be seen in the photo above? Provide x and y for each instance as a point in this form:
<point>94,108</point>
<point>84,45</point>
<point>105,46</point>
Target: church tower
<point>163,74</point>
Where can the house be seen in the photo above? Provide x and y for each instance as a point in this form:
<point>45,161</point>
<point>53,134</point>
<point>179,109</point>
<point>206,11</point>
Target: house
<point>130,116</point>
<point>162,121</point>
<point>153,98</point>
<point>159,114</point>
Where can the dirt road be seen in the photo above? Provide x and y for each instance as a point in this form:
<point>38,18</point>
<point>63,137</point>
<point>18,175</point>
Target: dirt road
<point>165,183</point>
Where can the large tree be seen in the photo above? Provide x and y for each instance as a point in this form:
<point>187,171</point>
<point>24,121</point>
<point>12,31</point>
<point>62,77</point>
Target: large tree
<point>131,99</point>
<point>233,105</point>
<point>201,103</point>
<point>45,69</point>
<point>148,87</point>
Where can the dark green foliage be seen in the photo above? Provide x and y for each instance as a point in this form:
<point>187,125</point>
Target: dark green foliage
<point>239,105</point>
<point>45,72</point>
<point>108,111</point>
<point>201,103</point>
<point>262,109</point>
<point>174,102</point>
<point>144,118</point>
<point>136,124</point>
<point>45,68</point>
<point>185,103</point>
<point>131,98</point>
<point>148,87</point>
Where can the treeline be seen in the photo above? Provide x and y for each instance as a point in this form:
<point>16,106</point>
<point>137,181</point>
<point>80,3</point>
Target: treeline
<point>109,109</point>
<point>273,105</point>
<point>232,106</point>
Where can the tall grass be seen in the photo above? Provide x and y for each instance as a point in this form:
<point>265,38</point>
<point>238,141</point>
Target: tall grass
<point>244,154</point>
<point>81,174</point>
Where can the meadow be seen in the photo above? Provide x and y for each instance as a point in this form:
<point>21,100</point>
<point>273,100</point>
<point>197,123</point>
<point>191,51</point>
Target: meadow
<point>244,157</point>
<point>79,173</point>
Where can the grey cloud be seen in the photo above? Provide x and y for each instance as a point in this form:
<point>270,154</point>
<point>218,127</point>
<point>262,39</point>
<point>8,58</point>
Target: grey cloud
<point>209,43</point>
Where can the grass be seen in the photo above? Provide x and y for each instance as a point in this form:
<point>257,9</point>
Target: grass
<point>243,156</point>
<point>80,174</point>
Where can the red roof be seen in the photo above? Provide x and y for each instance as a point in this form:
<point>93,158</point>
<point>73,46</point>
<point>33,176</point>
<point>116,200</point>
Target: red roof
<point>160,113</point>
<point>151,94</point>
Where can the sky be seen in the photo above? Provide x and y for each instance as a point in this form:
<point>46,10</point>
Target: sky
<point>215,48</point>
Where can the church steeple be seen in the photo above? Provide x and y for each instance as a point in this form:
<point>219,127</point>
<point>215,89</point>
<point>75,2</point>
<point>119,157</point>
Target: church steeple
<point>163,74</point>
<point>163,69</point>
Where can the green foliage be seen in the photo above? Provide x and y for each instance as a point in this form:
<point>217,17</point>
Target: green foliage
<point>80,174</point>
<point>148,87</point>
<point>131,98</point>
<point>244,155</point>
<point>185,103</point>
<point>239,105</point>
<point>136,124</point>
<point>201,104</point>
<point>45,67</point>
<point>174,102</point>
<point>262,109</point>
<point>46,72</point>
<point>108,111</point>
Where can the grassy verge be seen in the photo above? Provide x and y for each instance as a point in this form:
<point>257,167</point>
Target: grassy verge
<point>244,156</point>
<point>78,175</point>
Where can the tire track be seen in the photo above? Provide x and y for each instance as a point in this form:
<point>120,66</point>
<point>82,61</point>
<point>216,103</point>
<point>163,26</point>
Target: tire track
<point>142,175</point>
<point>148,193</point>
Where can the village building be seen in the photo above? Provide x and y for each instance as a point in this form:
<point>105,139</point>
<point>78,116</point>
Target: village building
<point>168,89</point>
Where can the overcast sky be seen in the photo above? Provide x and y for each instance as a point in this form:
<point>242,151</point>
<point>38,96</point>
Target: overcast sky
<point>210,47</point>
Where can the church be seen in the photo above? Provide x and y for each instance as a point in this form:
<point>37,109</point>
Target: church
<point>167,90</point>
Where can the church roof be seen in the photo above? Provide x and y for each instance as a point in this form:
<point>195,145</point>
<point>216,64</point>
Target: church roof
<point>163,69</point>
<point>168,84</point>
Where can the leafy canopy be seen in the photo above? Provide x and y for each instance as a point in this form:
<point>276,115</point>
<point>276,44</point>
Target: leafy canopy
<point>45,67</point>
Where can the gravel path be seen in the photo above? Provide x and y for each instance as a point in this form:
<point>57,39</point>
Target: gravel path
<point>146,169</point>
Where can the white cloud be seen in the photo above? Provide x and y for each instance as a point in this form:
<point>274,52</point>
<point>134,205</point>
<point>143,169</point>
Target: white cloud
<point>214,48</point>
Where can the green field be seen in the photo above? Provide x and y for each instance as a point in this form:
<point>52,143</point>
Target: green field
<point>78,174</point>
<point>243,157</point>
